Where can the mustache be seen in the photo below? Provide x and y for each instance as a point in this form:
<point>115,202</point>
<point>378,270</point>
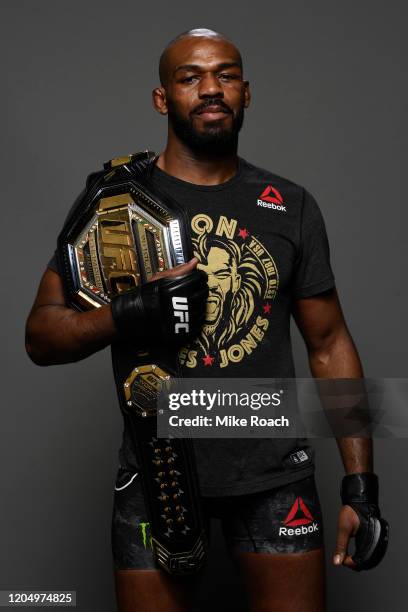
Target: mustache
<point>212,102</point>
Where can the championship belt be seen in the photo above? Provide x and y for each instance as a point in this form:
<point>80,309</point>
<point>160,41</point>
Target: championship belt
<point>119,233</point>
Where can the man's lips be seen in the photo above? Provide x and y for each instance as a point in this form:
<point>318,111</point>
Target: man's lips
<point>213,112</point>
<point>213,109</point>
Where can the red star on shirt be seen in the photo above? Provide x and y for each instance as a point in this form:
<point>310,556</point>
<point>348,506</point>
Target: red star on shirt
<point>243,233</point>
<point>266,308</point>
<point>208,360</point>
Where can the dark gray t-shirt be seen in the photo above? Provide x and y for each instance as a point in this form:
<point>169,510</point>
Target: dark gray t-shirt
<point>262,241</point>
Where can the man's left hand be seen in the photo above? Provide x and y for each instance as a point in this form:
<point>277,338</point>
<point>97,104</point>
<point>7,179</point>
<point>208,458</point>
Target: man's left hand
<point>347,526</point>
<point>360,517</point>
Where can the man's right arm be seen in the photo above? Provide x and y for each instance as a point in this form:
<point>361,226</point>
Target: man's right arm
<point>56,333</point>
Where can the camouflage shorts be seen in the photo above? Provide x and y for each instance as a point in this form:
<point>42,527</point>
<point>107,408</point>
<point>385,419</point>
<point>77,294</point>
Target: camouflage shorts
<point>285,519</point>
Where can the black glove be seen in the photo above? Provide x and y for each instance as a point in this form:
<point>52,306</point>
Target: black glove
<point>168,310</point>
<point>360,491</point>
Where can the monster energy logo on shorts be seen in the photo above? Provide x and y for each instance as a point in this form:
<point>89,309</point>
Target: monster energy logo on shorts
<point>145,534</point>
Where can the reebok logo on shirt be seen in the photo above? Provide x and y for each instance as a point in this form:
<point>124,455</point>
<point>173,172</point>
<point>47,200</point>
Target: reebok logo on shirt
<point>271,198</point>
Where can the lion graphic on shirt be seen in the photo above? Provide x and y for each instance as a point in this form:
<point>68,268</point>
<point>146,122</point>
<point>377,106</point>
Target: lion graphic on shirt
<point>234,279</point>
<point>242,282</point>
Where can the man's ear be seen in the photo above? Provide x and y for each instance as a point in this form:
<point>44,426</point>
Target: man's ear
<point>247,94</point>
<point>159,100</point>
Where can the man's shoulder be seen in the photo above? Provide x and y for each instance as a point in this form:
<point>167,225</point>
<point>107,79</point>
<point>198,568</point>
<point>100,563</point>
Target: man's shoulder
<point>262,175</point>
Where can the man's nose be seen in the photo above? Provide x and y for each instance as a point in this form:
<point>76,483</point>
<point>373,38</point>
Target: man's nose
<point>210,87</point>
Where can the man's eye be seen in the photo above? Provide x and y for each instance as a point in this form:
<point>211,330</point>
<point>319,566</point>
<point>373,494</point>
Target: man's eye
<point>189,79</point>
<point>227,77</point>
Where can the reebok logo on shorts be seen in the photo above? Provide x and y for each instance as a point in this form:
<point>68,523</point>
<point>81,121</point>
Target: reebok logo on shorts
<point>271,198</point>
<point>299,520</point>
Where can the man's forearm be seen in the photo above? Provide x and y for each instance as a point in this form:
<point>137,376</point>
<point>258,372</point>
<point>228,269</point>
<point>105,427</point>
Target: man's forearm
<point>57,334</point>
<point>339,359</point>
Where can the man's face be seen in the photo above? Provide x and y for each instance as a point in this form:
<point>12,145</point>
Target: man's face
<point>223,282</point>
<point>205,94</point>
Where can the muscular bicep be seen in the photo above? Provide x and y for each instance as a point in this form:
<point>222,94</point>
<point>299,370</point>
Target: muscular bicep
<point>319,318</point>
<point>50,291</point>
<point>48,318</point>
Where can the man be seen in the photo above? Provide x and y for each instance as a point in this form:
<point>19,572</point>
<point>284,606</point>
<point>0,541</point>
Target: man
<point>262,242</point>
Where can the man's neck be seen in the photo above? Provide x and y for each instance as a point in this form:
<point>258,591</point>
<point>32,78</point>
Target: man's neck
<point>182,163</point>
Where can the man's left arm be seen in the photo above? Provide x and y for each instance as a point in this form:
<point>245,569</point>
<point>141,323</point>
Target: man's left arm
<point>333,354</point>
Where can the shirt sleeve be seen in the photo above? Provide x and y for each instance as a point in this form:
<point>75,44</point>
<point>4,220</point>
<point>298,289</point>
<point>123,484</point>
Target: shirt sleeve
<point>313,273</point>
<point>53,263</point>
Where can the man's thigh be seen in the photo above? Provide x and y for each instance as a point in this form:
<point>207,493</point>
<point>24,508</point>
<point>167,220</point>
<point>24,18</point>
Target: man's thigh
<point>152,590</point>
<point>140,585</point>
<point>276,539</point>
<point>293,582</point>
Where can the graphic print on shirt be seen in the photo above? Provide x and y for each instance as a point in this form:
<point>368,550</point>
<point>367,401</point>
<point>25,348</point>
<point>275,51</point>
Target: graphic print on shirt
<point>243,282</point>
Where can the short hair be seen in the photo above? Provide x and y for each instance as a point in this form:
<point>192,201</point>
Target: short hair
<point>195,32</point>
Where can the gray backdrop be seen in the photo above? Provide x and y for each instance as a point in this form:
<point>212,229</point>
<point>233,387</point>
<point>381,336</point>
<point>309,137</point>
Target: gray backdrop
<point>329,103</point>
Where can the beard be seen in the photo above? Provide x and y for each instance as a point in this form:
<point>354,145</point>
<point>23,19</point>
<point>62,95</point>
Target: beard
<point>214,138</point>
